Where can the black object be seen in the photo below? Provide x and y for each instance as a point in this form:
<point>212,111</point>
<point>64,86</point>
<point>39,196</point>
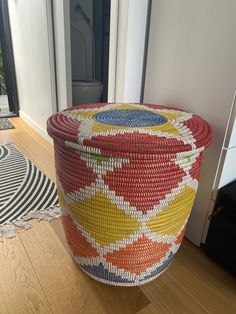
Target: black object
<point>228,200</point>
<point>221,239</point>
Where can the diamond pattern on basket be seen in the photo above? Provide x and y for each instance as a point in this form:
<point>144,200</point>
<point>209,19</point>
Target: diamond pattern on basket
<point>127,258</point>
<point>127,176</point>
<point>91,217</point>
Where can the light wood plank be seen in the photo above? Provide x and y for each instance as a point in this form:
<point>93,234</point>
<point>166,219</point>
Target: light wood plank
<point>193,284</point>
<point>67,288</point>
<point>64,285</point>
<point>125,300</point>
<point>168,296</point>
<point>205,280</point>
<point>58,229</point>
<point>149,309</point>
<point>20,291</point>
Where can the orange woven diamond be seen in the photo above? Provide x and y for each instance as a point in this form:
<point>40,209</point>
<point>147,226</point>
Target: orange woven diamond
<point>78,243</point>
<point>181,236</point>
<point>139,256</point>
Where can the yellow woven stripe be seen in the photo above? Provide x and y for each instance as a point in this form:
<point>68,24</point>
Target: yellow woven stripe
<point>166,127</point>
<point>99,127</point>
<point>126,106</point>
<point>60,194</point>
<point>85,114</point>
<point>103,220</point>
<point>172,218</point>
<point>171,115</point>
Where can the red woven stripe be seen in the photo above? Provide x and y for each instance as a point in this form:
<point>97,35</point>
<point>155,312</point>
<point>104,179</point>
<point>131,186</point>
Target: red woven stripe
<point>142,185</point>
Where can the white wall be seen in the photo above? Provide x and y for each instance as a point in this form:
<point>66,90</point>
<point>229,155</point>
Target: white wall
<point>192,65</point>
<point>232,141</point>
<point>33,55</point>
<point>130,53</point>
<point>227,165</point>
<point>61,15</point>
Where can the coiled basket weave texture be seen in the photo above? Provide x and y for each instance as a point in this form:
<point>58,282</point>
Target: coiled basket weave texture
<point>127,176</point>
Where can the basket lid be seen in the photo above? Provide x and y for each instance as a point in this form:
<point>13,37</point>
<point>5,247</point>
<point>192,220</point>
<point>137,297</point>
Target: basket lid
<point>118,129</point>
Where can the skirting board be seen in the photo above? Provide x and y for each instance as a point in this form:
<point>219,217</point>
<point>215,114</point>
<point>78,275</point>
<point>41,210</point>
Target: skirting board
<point>35,126</point>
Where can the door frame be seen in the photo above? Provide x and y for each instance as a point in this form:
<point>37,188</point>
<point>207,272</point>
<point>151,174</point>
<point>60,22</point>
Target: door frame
<point>62,51</point>
<point>113,43</point>
<point>132,44</point>
<point>61,25</point>
<point>8,58</point>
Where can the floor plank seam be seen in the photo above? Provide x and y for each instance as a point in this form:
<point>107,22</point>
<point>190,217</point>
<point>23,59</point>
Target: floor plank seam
<point>40,284</point>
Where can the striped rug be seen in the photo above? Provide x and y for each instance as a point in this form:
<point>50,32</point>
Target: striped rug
<point>23,187</point>
<point>5,124</point>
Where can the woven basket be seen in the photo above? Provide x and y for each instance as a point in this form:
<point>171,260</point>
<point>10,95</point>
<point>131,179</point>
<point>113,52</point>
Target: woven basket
<point>127,176</point>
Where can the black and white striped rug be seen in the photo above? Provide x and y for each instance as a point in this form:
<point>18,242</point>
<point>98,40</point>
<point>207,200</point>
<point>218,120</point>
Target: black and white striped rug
<point>5,124</point>
<point>23,187</point>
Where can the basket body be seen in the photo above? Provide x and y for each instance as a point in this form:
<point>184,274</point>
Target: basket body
<point>125,198</point>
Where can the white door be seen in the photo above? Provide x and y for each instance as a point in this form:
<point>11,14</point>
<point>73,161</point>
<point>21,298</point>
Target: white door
<point>191,64</point>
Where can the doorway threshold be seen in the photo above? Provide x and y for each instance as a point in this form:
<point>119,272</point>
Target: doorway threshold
<point>8,115</point>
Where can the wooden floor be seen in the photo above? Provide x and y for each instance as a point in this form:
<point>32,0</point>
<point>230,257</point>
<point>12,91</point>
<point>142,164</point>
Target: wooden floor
<point>37,274</point>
